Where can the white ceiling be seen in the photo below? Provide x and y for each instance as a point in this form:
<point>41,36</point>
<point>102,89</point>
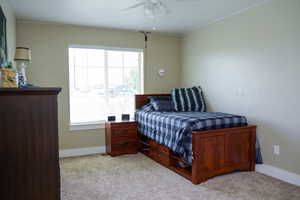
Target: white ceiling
<point>185,16</point>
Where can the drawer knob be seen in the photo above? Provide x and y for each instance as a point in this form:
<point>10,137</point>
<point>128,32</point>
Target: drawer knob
<point>123,143</point>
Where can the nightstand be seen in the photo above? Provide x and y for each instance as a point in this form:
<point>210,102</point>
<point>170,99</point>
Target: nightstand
<point>121,137</point>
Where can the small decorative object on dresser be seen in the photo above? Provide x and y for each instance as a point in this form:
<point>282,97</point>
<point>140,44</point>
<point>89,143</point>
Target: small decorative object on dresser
<point>8,78</point>
<point>121,137</point>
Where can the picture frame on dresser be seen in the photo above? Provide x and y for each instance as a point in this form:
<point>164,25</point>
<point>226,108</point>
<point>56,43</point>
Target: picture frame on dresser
<point>3,38</point>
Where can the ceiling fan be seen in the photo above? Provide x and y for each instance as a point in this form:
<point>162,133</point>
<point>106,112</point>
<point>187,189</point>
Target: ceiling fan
<point>154,8</point>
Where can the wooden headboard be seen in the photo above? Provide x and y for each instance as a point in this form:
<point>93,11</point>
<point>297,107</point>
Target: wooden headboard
<point>142,99</point>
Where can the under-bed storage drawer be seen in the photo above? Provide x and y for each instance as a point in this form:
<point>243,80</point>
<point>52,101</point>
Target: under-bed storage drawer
<point>160,153</point>
<point>163,158</point>
<point>159,147</point>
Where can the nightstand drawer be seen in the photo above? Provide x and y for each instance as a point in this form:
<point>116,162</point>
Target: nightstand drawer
<point>119,140</point>
<point>124,147</point>
<point>124,131</point>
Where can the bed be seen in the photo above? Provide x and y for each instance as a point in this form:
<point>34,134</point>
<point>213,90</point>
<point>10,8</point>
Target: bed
<point>201,146</point>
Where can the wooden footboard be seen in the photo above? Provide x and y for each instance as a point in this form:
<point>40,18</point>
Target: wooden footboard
<point>222,151</point>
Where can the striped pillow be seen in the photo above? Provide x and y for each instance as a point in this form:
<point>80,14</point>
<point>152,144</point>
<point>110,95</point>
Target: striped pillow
<point>188,99</point>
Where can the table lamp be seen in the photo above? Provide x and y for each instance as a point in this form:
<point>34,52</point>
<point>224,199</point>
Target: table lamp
<point>22,59</point>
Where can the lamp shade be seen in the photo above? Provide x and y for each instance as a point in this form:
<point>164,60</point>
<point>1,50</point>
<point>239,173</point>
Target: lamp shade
<point>23,54</point>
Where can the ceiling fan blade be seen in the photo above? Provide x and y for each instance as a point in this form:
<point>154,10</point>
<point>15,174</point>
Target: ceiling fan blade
<point>134,6</point>
<point>183,1</point>
<point>165,8</point>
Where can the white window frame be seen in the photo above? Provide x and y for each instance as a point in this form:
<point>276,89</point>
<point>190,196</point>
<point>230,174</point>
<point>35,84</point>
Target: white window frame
<point>101,124</point>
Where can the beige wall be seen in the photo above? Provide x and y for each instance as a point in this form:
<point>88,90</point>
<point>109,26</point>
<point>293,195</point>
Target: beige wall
<point>250,64</point>
<point>49,44</point>
<point>10,28</point>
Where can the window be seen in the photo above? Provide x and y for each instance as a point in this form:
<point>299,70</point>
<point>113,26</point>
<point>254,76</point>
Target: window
<point>103,81</point>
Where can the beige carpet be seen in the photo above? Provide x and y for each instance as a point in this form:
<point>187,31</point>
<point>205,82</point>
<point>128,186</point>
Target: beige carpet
<point>137,177</point>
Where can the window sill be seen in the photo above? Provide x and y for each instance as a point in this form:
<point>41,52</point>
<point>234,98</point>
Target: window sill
<point>87,126</point>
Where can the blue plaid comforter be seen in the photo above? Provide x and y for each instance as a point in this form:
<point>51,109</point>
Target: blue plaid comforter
<point>174,129</point>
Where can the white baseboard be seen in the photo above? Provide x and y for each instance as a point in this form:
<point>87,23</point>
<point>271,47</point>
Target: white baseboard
<point>280,174</point>
<point>81,151</point>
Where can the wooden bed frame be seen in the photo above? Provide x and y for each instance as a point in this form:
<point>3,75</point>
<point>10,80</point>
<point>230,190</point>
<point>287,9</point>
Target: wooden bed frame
<point>215,152</point>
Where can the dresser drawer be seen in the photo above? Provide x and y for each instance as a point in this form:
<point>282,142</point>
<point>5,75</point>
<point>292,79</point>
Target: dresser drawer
<point>124,131</point>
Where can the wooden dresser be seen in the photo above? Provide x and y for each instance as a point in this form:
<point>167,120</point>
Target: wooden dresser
<point>29,144</point>
<point>121,137</point>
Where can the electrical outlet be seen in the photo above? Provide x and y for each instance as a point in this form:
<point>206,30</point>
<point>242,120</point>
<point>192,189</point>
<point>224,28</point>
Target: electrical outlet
<point>276,149</point>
